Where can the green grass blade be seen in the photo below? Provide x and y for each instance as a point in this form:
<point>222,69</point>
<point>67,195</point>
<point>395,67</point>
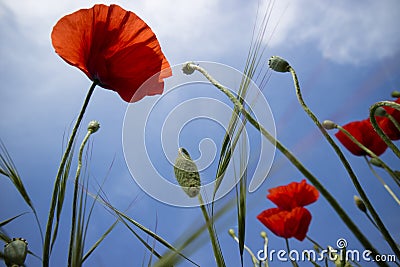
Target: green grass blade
<point>191,238</point>
<point>11,219</point>
<point>101,239</point>
<point>8,169</point>
<point>159,239</point>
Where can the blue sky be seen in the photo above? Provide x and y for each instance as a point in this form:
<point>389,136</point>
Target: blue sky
<point>346,54</point>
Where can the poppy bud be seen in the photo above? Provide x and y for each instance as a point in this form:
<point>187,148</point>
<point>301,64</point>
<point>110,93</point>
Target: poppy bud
<point>231,232</point>
<point>278,64</point>
<point>360,204</point>
<point>263,234</point>
<point>396,93</point>
<point>93,126</point>
<point>15,252</point>
<point>380,112</point>
<point>186,173</point>
<point>376,162</point>
<point>187,68</point>
<point>329,125</point>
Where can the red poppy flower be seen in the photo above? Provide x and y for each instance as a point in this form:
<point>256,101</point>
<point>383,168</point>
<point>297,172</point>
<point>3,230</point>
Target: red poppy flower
<point>364,133</point>
<point>387,125</point>
<point>293,195</point>
<point>113,47</point>
<point>287,224</point>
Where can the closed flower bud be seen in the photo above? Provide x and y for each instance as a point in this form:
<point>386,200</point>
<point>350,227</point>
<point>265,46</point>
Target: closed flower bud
<point>187,68</point>
<point>278,64</point>
<point>380,112</point>
<point>396,93</point>
<point>376,162</point>
<point>360,204</point>
<point>93,126</point>
<point>329,125</point>
<point>15,252</point>
<point>186,173</point>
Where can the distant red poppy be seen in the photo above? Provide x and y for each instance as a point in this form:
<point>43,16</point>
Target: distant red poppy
<point>290,218</point>
<point>364,133</point>
<point>287,224</point>
<point>387,125</point>
<point>113,47</point>
<point>293,195</point>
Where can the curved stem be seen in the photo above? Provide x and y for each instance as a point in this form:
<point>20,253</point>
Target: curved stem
<point>378,129</point>
<point>331,200</point>
<point>371,154</point>
<point>346,164</point>
<point>75,197</point>
<point>49,227</point>
<point>384,184</point>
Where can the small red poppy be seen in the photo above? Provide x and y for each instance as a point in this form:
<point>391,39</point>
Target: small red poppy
<point>364,133</point>
<point>387,125</point>
<point>293,195</point>
<point>287,224</point>
<point>290,218</point>
<point>113,47</point>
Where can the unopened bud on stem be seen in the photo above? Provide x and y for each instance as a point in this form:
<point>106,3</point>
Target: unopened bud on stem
<point>360,204</point>
<point>278,64</point>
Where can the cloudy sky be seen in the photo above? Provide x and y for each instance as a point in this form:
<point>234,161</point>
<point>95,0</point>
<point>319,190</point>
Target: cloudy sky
<point>347,56</point>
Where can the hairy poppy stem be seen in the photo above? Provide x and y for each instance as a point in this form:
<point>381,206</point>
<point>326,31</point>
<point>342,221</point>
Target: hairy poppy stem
<point>346,164</point>
<point>293,261</point>
<point>61,169</point>
<point>215,245</point>
<point>75,197</point>
<point>331,200</point>
<point>371,154</point>
<point>378,129</point>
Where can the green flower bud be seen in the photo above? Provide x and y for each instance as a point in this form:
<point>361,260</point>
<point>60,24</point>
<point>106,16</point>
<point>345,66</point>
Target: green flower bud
<point>360,204</point>
<point>187,68</point>
<point>186,173</point>
<point>278,64</point>
<point>376,162</point>
<point>15,252</point>
<point>329,125</point>
<point>380,112</point>
<point>395,93</point>
<point>93,126</point>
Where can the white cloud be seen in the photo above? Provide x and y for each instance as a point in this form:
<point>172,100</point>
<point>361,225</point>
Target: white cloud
<point>343,31</point>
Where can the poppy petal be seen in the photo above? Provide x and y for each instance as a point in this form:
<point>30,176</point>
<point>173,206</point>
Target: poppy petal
<point>364,133</point>
<point>114,47</point>
<point>293,195</point>
<point>285,223</point>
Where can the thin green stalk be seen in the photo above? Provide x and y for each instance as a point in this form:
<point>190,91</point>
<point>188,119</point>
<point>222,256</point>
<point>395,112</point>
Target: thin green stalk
<point>331,200</point>
<point>371,154</point>
<point>293,261</point>
<point>49,227</point>
<point>378,129</point>
<point>346,164</point>
<point>384,184</point>
<point>253,257</point>
<point>75,197</point>
<point>216,249</point>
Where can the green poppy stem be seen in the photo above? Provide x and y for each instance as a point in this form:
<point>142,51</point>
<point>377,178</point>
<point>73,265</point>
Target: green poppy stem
<point>378,129</point>
<point>331,200</point>
<point>215,245</point>
<point>75,197</point>
<point>293,261</point>
<point>346,164</point>
<point>54,198</point>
